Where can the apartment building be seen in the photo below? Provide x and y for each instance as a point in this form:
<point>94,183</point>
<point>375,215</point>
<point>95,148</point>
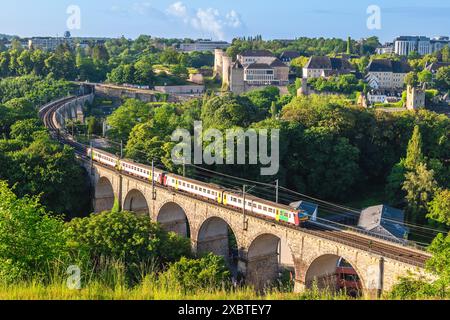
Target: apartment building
<point>404,45</point>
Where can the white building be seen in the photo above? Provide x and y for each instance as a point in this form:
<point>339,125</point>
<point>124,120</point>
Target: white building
<point>387,74</point>
<point>404,45</point>
<point>384,96</point>
<point>256,56</point>
<point>48,43</point>
<point>440,42</point>
<point>203,45</point>
<point>388,48</point>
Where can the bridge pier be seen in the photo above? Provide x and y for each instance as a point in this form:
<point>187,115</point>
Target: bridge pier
<point>176,226</point>
<point>262,271</point>
<point>218,245</point>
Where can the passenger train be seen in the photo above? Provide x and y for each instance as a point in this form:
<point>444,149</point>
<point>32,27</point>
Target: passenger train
<point>268,209</point>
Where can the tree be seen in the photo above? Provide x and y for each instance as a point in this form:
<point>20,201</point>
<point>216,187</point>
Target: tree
<point>445,52</point>
<point>229,110</point>
<point>123,120</point>
<point>328,163</point>
<point>413,55</point>
<point>169,56</point>
<point>274,110</point>
<point>94,126</point>
<point>100,54</point>
<point>349,45</point>
<point>439,208</point>
<point>26,131</point>
<point>45,168</point>
<point>31,241</point>
<point>411,79</point>
<point>414,154</point>
<point>62,64</point>
<point>425,76</point>
<point>443,78</point>
<point>124,73</point>
<point>143,73</point>
<point>420,187</point>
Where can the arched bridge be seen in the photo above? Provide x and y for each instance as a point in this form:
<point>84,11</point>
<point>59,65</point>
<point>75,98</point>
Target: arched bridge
<point>258,248</point>
<point>264,247</point>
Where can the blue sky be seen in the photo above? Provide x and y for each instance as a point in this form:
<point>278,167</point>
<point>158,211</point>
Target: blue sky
<point>226,19</point>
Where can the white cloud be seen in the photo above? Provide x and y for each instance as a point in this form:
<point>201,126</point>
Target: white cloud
<point>233,19</point>
<point>143,8</point>
<point>179,10</point>
<point>206,20</point>
<point>209,20</point>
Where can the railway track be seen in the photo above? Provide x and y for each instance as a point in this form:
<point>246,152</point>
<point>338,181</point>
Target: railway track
<point>367,243</point>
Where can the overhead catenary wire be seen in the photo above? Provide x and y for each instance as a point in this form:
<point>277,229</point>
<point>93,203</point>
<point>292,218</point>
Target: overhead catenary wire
<point>287,195</point>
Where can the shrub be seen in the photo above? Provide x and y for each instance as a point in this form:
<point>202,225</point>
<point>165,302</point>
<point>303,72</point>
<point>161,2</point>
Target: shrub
<point>410,288</point>
<point>126,237</point>
<point>190,275</point>
<point>31,241</point>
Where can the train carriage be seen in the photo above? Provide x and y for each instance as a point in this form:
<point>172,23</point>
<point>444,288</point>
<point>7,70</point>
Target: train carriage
<point>142,171</point>
<point>205,190</point>
<point>104,157</point>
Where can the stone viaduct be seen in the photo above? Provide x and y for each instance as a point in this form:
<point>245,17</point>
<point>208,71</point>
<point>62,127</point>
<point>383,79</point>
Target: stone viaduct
<point>72,110</point>
<point>264,246</point>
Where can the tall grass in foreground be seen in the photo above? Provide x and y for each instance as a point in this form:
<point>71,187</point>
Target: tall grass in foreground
<point>110,282</point>
<point>147,290</point>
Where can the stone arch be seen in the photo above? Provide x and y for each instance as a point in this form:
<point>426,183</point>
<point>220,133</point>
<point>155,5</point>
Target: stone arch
<point>173,218</point>
<point>267,256</point>
<point>323,272</point>
<point>217,236</point>
<point>104,195</point>
<point>136,202</point>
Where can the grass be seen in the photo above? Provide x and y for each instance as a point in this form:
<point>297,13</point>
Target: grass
<point>148,290</point>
